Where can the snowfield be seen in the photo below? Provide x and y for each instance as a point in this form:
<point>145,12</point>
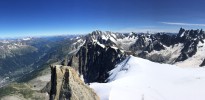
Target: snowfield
<point>140,79</point>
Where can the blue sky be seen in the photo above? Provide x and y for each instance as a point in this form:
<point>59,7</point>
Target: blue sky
<point>56,17</point>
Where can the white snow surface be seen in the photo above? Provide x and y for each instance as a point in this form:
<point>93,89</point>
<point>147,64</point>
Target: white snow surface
<point>102,45</point>
<point>140,79</point>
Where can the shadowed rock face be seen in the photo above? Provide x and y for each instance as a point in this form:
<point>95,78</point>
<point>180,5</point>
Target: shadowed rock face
<point>66,85</point>
<point>93,61</point>
<point>203,63</point>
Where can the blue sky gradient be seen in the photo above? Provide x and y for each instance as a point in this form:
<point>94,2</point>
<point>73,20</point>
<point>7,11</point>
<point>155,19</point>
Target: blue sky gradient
<point>57,17</point>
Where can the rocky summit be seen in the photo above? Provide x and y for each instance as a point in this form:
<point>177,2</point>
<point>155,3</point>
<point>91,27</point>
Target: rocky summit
<point>94,60</point>
<point>66,85</point>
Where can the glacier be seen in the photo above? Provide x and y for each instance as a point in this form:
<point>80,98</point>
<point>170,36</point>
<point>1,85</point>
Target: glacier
<point>140,79</point>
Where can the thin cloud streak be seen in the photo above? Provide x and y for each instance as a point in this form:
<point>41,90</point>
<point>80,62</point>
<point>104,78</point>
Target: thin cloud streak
<point>182,24</point>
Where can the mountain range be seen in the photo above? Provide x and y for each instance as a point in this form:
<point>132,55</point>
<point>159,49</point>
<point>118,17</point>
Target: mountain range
<point>94,57</point>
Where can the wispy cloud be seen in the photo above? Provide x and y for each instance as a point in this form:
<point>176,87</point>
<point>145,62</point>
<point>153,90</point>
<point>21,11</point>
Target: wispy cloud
<point>182,24</point>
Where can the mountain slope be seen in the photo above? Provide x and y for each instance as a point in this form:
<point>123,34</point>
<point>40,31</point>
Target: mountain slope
<point>37,54</point>
<point>140,79</point>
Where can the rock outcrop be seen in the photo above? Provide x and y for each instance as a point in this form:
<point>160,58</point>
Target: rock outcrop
<point>66,85</point>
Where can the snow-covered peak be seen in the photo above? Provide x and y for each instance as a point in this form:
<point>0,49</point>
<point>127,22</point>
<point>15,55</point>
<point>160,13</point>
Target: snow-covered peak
<point>119,40</point>
<point>27,38</point>
<point>103,35</point>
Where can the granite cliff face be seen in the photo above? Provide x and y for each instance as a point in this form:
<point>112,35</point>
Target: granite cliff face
<point>66,84</point>
<point>93,61</point>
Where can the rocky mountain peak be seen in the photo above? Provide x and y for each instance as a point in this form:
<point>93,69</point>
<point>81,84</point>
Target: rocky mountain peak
<point>94,60</point>
<point>66,84</point>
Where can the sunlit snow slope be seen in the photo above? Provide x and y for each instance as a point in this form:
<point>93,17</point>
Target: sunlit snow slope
<point>140,79</point>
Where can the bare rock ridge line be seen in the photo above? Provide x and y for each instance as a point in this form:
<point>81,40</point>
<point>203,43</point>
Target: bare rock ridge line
<point>66,85</point>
